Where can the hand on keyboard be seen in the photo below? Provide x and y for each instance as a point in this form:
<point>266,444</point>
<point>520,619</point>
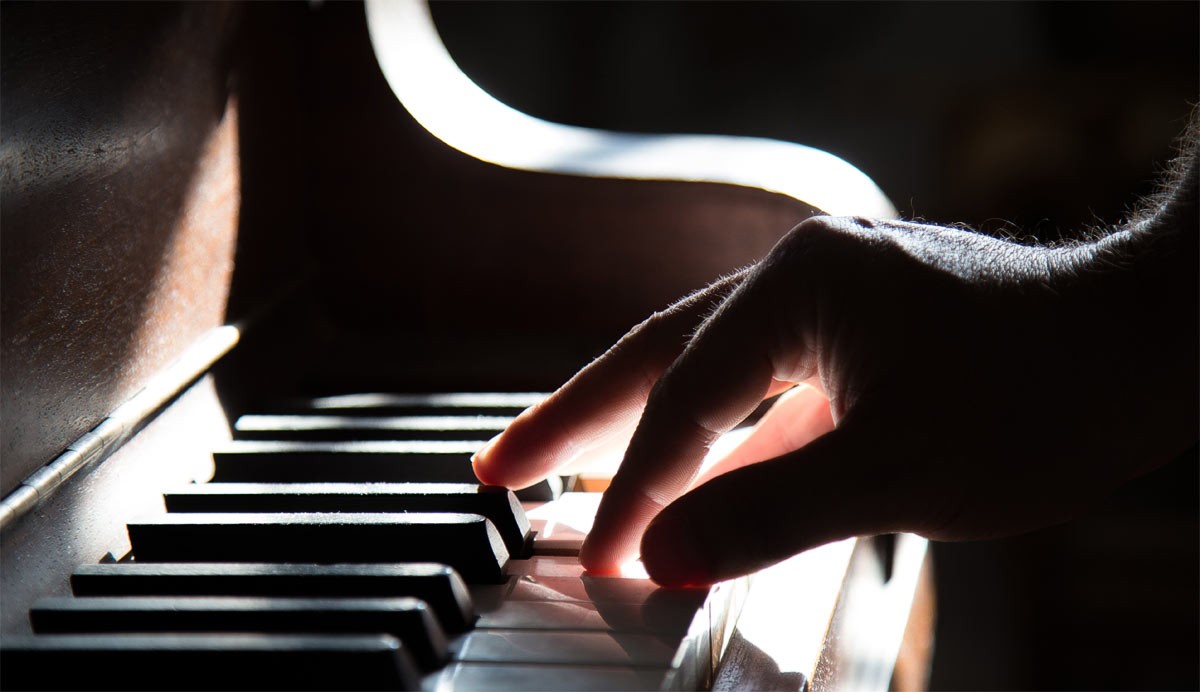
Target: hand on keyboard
<point>979,388</point>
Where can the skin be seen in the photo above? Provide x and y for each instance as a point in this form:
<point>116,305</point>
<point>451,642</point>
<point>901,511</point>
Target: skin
<point>951,384</point>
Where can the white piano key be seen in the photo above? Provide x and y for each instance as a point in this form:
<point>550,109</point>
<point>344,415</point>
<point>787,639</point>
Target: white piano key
<point>554,539</point>
<point>632,606</point>
<point>545,615</point>
<point>586,648</point>
<point>673,619</point>
<point>545,566</point>
<point>584,589</point>
<point>508,677</point>
<point>560,526</point>
<point>567,566</point>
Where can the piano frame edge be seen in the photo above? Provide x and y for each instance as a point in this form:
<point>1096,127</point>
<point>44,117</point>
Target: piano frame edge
<point>865,608</point>
<point>85,519</point>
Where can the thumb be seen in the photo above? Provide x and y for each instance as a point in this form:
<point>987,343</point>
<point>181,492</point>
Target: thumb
<point>838,486</point>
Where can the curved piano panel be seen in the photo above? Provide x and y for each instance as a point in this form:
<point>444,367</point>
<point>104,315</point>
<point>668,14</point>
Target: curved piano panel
<point>439,269</point>
<point>447,103</point>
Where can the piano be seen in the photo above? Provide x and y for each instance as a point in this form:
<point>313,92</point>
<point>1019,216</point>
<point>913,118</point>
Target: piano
<point>265,289</point>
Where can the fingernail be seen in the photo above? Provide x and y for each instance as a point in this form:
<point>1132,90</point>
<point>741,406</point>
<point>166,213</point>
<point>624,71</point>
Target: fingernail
<point>485,449</point>
<point>480,454</point>
<point>672,553</point>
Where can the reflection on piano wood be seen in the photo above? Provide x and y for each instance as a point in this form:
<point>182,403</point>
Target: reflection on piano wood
<point>172,168</point>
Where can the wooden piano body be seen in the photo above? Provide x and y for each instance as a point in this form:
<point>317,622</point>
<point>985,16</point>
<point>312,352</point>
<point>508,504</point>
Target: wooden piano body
<point>170,169</point>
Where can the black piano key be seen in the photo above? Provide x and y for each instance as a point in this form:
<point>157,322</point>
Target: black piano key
<point>408,619</point>
<point>341,428</point>
<point>205,662</point>
<point>378,461</point>
<point>437,403</point>
<point>496,503</point>
<point>395,461</point>
<point>438,585</point>
<point>467,542</point>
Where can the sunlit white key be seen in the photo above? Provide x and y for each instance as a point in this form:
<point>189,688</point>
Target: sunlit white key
<point>593,648</point>
<point>671,617</point>
<point>562,525</point>
<point>506,677</point>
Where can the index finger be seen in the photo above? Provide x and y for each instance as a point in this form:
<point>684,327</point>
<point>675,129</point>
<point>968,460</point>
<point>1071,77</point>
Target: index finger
<point>602,402</point>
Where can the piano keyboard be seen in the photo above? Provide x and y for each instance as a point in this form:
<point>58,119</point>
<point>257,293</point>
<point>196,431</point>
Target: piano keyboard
<point>342,545</point>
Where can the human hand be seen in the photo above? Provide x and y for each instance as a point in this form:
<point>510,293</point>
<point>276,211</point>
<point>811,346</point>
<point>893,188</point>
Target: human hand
<point>979,388</point>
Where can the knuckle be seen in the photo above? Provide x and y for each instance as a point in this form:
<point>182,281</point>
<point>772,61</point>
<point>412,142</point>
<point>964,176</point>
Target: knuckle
<point>649,342</point>
<point>822,243</point>
<point>676,402</point>
<point>651,324</point>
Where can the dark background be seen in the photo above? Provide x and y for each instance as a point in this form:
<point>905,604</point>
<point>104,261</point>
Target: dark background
<point>1030,118</point>
<point>1048,115</point>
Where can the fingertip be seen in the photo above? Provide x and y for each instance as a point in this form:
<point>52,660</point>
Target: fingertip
<point>605,553</point>
<point>483,476</point>
<point>481,463</point>
<point>485,451</point>
<point>673,555</point>
<point>617,530</point>
<point>594,560</point>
